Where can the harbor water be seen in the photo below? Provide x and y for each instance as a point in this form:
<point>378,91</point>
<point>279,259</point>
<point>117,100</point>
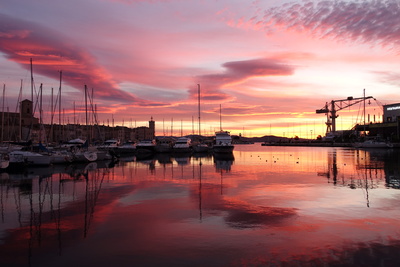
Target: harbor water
<point>260,206</point>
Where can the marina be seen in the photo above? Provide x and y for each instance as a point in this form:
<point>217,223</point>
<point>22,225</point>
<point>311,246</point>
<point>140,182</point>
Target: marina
<point>258,206</point>
<point>200,133</point>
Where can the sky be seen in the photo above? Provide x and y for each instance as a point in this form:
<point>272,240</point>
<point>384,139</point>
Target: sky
<point>261,67</point>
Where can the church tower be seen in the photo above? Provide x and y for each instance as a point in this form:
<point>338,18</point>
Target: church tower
<point>152,127</point>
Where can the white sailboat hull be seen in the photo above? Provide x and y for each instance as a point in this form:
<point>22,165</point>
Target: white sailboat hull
<point>28,158</point>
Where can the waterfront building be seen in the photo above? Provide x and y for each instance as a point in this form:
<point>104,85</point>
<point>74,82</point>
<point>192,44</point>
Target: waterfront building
<point>24,126</point>
<point>17,126</point>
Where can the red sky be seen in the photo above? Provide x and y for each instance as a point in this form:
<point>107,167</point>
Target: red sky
<point>269,64</point>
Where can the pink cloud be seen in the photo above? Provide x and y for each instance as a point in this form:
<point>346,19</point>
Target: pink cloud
<point>373,22</point>
<point>21,40</point>
<point>239,71</point>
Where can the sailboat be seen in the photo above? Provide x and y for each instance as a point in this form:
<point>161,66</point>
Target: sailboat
<point>200,147</point>
<point>21,158</point>
<point>223,140</point>
<point>28,158</point>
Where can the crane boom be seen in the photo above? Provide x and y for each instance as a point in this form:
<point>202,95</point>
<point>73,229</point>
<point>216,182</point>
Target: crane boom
<point>335,106</point>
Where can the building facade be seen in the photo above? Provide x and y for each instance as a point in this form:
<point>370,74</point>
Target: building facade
<point>24,126</point>
<point>391,113</point>
<point>389,129</point>
<point>19,126</point>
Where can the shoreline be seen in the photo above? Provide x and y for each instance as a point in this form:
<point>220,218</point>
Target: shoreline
<point>318,144</point>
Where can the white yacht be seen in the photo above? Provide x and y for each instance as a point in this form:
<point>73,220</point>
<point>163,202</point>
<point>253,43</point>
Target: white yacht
<point>183,145</point>
<point>223,142</point>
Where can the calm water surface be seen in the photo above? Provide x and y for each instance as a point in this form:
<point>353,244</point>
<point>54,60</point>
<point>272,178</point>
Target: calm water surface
<point>263,206</point>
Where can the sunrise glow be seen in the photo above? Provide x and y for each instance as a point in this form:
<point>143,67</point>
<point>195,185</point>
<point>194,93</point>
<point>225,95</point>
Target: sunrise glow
<point>264,67</point>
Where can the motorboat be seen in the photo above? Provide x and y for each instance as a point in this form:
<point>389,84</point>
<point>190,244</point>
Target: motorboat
<point>373,144</point>
<point>146,144</point>
<point>126,148</point>
<point>223,142</point>
<point>145,147</point>
<point>201,148</point>
<point>182,145</point>
<point>164,145</point>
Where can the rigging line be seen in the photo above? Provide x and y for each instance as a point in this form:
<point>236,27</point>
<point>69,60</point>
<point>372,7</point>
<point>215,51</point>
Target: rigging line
<point>358,113</point>
<point>55,106</point>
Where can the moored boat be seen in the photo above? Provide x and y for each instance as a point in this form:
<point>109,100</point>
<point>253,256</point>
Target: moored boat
<point>183,145</point>
<point>126,148</point>
<point>28,158</point>
<point>373,144</point>
<point>164,145</point>
<point>223,142</point>
<point>60,157</point>
<point>201,148</point>
<point>145,147</point>
<point>84,156</point>
<point>111,144</point>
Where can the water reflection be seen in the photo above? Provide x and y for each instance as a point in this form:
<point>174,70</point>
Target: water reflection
<point>223,162</point>
<point>370,165</point>
<point>42,208</point>
<point>273,206</point>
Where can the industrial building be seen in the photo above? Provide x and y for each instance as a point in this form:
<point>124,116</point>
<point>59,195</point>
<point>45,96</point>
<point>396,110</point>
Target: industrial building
<point>389,128</point>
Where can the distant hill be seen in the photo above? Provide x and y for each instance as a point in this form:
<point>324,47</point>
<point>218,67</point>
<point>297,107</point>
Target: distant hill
<point>265,138</point>
<point>240,139</point>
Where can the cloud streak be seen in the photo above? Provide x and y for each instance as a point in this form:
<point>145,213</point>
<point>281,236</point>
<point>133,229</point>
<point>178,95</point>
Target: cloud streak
<point>51,52</point>
<point>237,72</point>
<point>372,22</point>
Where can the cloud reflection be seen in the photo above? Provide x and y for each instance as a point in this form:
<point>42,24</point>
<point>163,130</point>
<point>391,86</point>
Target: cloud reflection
<point>245,216</point>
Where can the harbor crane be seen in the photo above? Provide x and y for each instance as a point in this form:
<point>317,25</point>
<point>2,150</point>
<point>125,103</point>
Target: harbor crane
<point>335,106</point>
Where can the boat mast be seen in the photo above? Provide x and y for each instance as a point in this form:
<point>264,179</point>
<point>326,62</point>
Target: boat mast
<point>198,89</point>
<point>59,108</point>
<point>20,112</point>
<point>181,129</point>
<point>220,118</point>
<point>364,110</point>
<point>40,112</point>
<point>86,114</point>
<point>32,83</point>
<point>33,109</point>
<point>2,114</point>
<point>51,134</point>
